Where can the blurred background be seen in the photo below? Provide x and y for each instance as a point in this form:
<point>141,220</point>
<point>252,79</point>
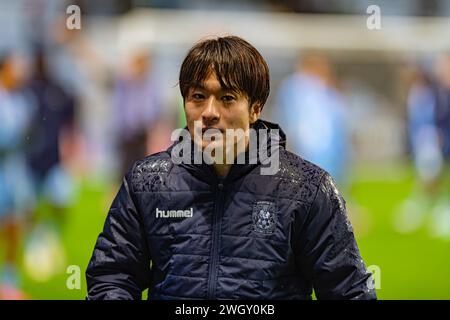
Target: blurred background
<point>79,105</point>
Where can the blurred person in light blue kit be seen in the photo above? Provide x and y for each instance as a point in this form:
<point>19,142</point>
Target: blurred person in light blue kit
<point>313,112</point>
<point>426,99</point>
<point>16,193</point>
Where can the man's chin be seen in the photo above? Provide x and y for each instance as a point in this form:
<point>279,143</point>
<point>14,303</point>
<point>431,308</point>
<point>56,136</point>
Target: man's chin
<point>211,145</point>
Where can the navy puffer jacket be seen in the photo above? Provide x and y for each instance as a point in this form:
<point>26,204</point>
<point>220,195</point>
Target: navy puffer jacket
<point>248,236</point>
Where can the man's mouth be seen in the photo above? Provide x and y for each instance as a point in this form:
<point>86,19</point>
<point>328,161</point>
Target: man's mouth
<point>212,130</point>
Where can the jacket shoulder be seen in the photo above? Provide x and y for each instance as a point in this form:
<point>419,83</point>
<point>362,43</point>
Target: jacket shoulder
<point>149,174</point>
<point>300,178</point>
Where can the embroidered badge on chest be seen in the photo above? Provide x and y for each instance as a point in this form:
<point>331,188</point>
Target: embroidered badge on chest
<point>264,217</point>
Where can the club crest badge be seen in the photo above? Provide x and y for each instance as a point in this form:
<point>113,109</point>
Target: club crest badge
<point>264,217</point>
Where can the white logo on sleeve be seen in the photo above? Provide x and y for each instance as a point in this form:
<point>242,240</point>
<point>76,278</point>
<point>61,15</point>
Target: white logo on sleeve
<point>174,213</point>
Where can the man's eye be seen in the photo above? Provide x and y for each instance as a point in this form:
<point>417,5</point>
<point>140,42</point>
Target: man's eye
<point>227,98</point>
<point>197,96</point>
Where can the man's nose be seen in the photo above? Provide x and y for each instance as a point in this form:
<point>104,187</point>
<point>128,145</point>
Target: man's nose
<point>210,114</point>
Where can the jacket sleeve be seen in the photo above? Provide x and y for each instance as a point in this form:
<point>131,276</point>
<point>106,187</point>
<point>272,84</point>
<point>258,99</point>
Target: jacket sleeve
<point>329,256</point>
<point>120,264</point>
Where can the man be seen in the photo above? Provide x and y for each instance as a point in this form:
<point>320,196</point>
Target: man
<point>222,230</point>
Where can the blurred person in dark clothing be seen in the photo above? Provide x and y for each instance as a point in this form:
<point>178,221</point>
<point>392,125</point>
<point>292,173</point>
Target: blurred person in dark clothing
<point>441,210</point>
<point>136,109</point>
<point>427,105</point>
<point>443,103</point>
<point>52,128</point>
<point>54,122</point>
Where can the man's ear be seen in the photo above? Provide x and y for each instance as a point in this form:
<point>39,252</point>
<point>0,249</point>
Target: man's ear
<point>255,112</point>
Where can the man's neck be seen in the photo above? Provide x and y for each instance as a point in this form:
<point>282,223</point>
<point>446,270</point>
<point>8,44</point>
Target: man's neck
<point>222,170</point>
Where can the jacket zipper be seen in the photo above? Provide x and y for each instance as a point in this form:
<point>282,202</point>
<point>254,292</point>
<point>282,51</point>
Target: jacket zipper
<point>216,224</point>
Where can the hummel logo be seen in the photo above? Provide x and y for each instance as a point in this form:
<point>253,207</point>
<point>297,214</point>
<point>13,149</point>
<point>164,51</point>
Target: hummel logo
<point>174,213</point>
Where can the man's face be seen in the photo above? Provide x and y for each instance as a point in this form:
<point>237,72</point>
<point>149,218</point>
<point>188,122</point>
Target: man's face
<point>12,72</point>
<point>217,108</point>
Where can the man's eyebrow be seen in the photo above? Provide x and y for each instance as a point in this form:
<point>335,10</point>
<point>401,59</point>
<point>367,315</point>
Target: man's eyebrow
<point>201,86</point>
<point>198,86</point>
